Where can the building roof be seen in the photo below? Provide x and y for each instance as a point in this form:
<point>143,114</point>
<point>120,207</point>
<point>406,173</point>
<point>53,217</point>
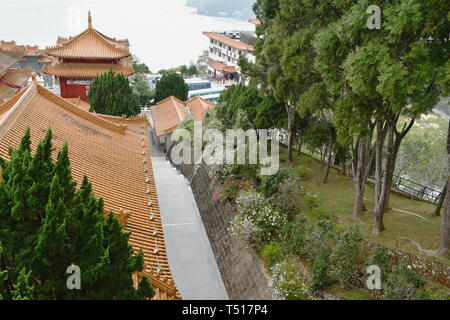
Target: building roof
<point>167,115</point>
<point>228,41</point>
<point>11,47</point>
<point>12,80</point>
<point>47,59</point>
<point>114,153</point>
<point>33,51</point>
<point>255,21</point>
<point>198,107</point>
<point>221,67</point>
<point>7,61</point>
<point>85,70</point>
<point>90,44</point>
<point>83,105</point>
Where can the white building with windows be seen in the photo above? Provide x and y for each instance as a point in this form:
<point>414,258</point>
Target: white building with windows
<point>225,48</point>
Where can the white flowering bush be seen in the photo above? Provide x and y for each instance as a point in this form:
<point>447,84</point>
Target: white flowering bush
<point>288,282</point>
<point>244,228</point>
<point>261,212</point>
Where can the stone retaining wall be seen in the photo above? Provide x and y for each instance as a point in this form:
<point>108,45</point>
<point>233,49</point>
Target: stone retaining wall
<point>242,271</point>
<point>427,268</point>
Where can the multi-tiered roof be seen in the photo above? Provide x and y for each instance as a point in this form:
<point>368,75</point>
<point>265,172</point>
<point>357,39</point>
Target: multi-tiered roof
<point>89,54</point>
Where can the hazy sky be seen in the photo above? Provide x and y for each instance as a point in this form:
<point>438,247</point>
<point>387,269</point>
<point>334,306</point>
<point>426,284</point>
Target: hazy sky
<point>163,33</point>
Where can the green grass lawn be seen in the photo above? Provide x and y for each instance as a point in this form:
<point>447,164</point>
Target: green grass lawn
<point>336,202</point>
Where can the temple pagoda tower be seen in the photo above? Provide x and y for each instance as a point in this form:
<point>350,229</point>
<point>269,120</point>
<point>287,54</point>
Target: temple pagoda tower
<point>81,58</point>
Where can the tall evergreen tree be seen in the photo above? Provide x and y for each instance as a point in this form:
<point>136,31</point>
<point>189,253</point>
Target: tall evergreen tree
<point>48,225</point>
<point>171,84</point>
<point>111,94</point>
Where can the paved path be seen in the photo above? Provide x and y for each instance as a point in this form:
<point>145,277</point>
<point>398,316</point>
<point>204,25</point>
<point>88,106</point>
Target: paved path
<point>191,258</point>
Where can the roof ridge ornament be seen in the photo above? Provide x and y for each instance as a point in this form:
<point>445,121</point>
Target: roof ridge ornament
<point>89,20</point>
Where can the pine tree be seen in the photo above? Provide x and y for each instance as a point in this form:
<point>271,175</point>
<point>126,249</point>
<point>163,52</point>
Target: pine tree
<point>171,85</point>
<point>111,94</point>
<point>48,225</point>
<point>22,289</point>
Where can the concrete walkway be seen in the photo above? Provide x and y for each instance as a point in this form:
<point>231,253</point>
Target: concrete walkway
<point>190,255</point>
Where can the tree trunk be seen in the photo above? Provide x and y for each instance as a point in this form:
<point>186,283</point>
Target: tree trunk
<point>291,117</point>
<point>329,163</point>
<point>393,145</point>
<point>381,137</point>
<point>300,145</point>
<point>383,190</point>
<point>444,250</point>
<point>359,179</point>
<point>440,203</point>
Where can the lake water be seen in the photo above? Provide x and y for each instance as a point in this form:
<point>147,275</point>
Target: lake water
<point>163,33</point>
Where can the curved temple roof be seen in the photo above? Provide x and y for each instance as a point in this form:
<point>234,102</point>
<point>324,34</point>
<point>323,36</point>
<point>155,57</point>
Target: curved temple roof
<point>90,44</point>
<point>85,70</point>
<point>114,153</point>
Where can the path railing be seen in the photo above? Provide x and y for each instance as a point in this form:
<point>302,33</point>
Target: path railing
<point>416,189</point>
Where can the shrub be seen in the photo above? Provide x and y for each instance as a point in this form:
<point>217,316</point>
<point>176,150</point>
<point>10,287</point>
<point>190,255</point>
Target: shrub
<point>424,294</point>
<point>233,186</point>
<point>311,201</point>
<point>304,173</point>
<point>271,254</point>
<point>257,222</point>
<point>288,282</point>
<point>321,237</point>
<point>288,193</point>
<point>295,235</point>
<point>347,257</point>
<point>244,228</point>
<point>244,172</point>
<point>402,284</point>
<point>261,212</point>
<point>380,256</point>
<point>320,272</point>
<point>270,184</point>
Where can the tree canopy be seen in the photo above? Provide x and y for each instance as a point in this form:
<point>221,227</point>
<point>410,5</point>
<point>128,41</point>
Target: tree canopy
<point>171,85</point>
<point>48,225</point>
<point>111,94</point>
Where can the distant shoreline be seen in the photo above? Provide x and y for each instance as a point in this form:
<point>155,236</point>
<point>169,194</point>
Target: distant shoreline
<point>237,15</point>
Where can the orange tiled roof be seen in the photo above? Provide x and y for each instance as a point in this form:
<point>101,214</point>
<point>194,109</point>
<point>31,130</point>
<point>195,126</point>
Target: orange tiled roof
<point>221,67</point>
<point>114,155</point>
<point>198,107</point>
<point>83,105</point>
<point>228,41</point>
<point>90,44</point>
<point>255,21</point>
<point>167,115</point>
<point>85,70</point>
<point>47,59</point>
<point>7,61</point>
<point>11,47</point>
<point>33,51</point>
<point>17,77</point>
